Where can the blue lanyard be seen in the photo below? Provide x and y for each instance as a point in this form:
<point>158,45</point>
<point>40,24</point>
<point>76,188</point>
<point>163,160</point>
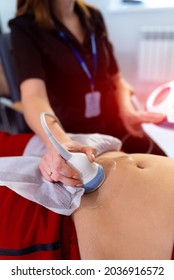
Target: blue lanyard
<point>81,60</point>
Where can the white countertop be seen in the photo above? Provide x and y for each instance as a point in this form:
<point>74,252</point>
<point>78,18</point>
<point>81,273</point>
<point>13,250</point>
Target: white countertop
<point>164,137</point>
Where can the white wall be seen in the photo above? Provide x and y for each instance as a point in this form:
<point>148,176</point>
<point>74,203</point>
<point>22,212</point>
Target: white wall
<point>7,11</point>
<point>124,24</point>
<point>101,4</point>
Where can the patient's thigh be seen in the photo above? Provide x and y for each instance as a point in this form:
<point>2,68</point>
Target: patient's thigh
<point>128,217</point>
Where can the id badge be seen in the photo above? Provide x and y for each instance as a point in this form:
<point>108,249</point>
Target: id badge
<point>92,104</point>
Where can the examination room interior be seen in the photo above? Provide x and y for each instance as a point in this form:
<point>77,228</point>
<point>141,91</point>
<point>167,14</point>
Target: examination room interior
<point>142,35</point>
<point>146,64</point>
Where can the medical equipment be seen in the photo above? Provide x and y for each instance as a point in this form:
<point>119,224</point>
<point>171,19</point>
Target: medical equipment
<point>161,100</point>
<point>92,173</point>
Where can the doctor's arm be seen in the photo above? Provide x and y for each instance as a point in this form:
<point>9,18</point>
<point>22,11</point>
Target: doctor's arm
<point>35,101</point>
<point>131,117</point>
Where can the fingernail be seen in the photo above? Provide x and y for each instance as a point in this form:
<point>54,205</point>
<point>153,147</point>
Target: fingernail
<point>75,177</point>
<point>93,156</point>
<point>79,185</point>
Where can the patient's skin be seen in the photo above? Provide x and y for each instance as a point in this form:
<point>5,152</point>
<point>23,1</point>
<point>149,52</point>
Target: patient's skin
<point>131,216</point>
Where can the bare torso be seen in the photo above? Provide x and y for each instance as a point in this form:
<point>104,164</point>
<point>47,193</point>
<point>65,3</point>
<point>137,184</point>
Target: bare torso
<point>131,216</point>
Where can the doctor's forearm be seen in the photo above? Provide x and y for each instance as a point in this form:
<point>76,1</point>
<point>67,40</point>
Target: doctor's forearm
<point>122,93</point>
<point>34,103</point>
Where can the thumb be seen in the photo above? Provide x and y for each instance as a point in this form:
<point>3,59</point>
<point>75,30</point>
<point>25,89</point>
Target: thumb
<point>90,152</point>
<point>152,117</point>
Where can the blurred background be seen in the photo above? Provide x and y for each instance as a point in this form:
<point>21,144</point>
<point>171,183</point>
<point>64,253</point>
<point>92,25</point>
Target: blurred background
<point>144,63</point>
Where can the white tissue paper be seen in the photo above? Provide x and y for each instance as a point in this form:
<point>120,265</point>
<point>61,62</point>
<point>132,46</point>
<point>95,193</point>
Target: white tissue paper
<point>22,174</point>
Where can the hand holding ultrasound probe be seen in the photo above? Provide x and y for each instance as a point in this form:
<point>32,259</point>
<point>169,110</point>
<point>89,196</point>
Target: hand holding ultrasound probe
<point>92,174</point>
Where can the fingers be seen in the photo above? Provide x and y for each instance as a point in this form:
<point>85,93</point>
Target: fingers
<point>59,170</point>
<point>55,169</point>
<point>66,174</point>
<point>77,147</point>
<point>90,152</point>
<point>151,117</point>
<point>133,123</point>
